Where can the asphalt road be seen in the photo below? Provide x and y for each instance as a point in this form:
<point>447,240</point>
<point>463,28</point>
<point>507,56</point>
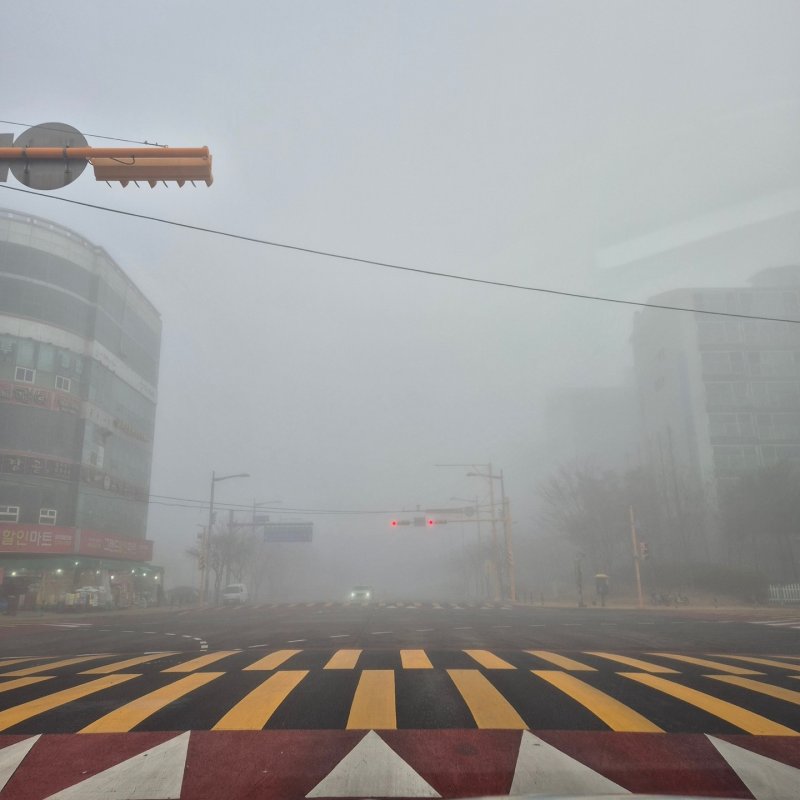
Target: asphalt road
<point>445,626</point>
<point>429,669</point>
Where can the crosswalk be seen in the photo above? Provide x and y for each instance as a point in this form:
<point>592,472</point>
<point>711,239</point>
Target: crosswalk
<point>356,689</point>
<point>388,604</point>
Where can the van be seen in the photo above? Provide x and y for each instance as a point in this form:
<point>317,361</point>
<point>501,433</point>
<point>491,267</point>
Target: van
<point>234,594</point>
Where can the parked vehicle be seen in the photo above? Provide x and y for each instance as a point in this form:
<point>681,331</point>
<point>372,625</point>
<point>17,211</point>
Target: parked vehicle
<point>234,594</point>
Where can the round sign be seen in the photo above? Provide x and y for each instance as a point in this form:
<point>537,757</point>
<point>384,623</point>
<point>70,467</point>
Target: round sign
<point>49,174</point>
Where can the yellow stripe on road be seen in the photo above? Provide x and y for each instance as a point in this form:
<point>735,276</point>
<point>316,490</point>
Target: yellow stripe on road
<point>18,683</point>
<point>67,662</point>
<point>736,715</point>
<point>488,707</point>
<point>561,661</point>
<point>17,714</point>
<point>7,662</point>
<point>373,703</point>
<point>704,662</point>
<point>343,659</point>
<point>201,661</point>
<point>764,662</point>
<point>636,663</point>
<point>120,665</point>
<point>616,715</point>
<point>273,660</point>
<point>415,659</point>
<point>253,711</point>
<point>123,719</point>
<point>489,660</point>
<point>789,695</point>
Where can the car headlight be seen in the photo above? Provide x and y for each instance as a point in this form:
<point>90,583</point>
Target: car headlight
<point>352,594</point>
<point>367,594</point>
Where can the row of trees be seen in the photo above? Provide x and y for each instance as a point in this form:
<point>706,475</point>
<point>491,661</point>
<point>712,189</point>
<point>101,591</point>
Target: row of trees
<point>236,555</point>
<point>752,525</point>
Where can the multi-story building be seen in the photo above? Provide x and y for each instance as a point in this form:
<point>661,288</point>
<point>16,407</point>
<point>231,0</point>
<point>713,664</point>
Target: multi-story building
<point>79,355</point>
<point>720,396</point>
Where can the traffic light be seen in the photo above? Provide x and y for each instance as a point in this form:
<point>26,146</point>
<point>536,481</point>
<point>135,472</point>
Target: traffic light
<point>393,523</point>
<point>399,522</point>
<point>153,170</point>
<point>431,523</point>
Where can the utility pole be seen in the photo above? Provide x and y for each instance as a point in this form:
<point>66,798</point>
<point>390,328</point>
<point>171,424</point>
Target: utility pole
<point>510,567</point>
<point>636,559</point>
<point>495,543</point>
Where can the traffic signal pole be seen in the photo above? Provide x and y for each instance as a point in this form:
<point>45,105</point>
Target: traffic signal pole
<point>636,559</point>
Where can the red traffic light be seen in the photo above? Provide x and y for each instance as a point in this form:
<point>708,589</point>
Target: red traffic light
<point>431,523</point>
<point>393,523</point>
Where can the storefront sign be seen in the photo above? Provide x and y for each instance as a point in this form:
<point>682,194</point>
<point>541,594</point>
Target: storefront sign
<point>107,545</point>
<point>49,539</point>
<point>20,394</point>
<point>39,539</point>
<point>14,464</point>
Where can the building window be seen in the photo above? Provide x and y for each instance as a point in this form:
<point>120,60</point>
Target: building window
<point>62,383</point>
<point>24,375</point>
<point>9,513</point>
<point>47,516</point>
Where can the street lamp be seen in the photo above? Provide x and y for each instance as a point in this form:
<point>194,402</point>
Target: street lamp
<point>207,541</point>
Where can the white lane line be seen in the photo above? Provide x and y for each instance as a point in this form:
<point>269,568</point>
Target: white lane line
<point>423,630</point>
<point>339,635</point>
<point>170,634</point>
<point>186,636</point>
<point>295,641</point>
<point>537,625</point>
<point>501,626</point>
<point>463,628</point>
<point>379,633</point>
<point>250,647</point>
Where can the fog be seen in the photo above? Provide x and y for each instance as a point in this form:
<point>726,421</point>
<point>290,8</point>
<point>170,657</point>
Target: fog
<point>616,149</point>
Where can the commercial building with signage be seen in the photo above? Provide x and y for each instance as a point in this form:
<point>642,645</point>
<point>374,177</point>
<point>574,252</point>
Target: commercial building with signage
<point>79,356</point>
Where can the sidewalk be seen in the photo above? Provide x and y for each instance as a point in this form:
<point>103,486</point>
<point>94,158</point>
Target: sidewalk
<point>27,617</point>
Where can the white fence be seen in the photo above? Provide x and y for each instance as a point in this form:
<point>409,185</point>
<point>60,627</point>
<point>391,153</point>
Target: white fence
<point>784,594</point>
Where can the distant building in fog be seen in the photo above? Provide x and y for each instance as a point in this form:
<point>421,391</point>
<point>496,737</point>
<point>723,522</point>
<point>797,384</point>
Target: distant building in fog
<point>594,426</point>
<point>720,396</point>
<point>79,355</point>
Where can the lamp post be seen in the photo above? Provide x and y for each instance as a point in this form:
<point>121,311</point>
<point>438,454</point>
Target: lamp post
<point>207,538</point>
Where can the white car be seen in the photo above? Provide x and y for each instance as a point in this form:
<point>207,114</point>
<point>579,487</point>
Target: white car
<point>360,594</point>
<point>234,594</point>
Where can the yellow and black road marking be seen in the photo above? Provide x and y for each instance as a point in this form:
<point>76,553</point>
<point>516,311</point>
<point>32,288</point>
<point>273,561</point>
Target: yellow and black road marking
<point>407,688</point>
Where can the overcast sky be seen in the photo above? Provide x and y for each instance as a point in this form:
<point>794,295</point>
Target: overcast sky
<point>521,142</point>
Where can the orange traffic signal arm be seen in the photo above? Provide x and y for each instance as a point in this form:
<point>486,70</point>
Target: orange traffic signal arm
<point>125,164</point>
<point>88,153</point>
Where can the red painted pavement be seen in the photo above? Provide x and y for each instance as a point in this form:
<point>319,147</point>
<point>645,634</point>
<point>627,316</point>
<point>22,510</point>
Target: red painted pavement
<point>456,763</point>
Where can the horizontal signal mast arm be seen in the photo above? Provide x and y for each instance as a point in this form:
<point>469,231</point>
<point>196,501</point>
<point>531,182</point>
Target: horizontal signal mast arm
<point>88,153</point>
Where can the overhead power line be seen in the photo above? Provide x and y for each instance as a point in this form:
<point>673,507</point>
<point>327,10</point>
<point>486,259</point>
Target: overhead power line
<point>195,504</point>
<point>92,135</point>
<point>404,268</point>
